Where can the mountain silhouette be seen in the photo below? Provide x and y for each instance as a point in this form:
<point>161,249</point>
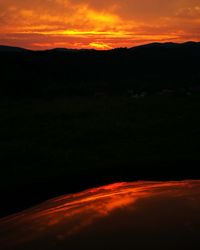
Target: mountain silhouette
<point>146,68</point>
<point>4,48</point>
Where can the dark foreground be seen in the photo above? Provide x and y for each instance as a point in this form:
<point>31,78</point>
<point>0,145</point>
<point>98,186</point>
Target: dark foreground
<point>71,120</point>
<point>138,215</point>
<point>51,147</point>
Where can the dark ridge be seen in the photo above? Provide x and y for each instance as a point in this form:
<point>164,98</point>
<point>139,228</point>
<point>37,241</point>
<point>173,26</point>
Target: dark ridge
<point>149,68</point>
<point>168,45</point>
<point>150,45</point>
<point>4,48</point>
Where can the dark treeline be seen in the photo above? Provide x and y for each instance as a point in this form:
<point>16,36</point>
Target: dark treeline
<point>148,68</point>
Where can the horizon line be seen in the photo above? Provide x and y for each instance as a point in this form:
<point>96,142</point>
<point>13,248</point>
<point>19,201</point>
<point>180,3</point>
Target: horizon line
<point>93,49</point>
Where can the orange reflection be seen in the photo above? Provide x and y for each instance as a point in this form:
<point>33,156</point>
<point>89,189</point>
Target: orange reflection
<point>122,204</point>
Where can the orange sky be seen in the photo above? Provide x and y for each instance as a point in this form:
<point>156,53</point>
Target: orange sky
<point>99,24</point>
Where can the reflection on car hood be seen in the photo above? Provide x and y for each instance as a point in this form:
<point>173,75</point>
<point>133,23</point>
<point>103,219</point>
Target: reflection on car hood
<point>137,215</point>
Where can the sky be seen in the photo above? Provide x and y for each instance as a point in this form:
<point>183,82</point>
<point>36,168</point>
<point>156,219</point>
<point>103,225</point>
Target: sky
<point>98,24</point>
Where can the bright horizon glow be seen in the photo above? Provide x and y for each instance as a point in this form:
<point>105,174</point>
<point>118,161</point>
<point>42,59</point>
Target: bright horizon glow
<point>44,24</point>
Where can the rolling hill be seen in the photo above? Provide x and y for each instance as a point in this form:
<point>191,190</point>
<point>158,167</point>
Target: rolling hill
<point>147,68</point>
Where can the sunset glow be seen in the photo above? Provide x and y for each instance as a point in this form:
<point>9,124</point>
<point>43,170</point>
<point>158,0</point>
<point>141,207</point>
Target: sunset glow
<point>42,24</point>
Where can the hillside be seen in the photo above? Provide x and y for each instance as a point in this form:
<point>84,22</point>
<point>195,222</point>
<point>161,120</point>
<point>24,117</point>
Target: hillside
<point>148,68</point>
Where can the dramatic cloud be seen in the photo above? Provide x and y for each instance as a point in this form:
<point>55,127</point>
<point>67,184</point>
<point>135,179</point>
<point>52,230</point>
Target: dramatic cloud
<point>100,24</point>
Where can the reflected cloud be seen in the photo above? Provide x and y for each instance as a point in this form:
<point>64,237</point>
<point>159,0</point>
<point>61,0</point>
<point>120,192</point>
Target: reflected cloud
<point>123,205</point>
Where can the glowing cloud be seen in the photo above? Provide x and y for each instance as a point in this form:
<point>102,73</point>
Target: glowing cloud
<point>97,24</point>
